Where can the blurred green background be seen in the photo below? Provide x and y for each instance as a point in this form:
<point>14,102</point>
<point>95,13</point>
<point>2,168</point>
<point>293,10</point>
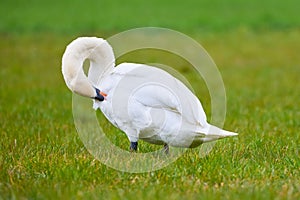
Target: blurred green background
<point>80,16</point>
<point>255,45</point>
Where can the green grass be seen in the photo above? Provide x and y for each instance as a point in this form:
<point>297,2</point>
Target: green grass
<point>42,156</point>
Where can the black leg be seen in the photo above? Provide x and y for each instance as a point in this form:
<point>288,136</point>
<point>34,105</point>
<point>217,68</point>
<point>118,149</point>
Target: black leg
<point>166,148</point>
<point>133,146</point>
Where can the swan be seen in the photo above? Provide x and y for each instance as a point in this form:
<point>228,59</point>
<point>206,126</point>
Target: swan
<point>143,101</point>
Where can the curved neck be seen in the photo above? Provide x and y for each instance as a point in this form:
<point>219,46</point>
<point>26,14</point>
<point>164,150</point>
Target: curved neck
<point>101,58</point>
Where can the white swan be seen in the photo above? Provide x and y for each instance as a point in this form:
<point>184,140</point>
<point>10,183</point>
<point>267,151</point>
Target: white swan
<point>143,101</point>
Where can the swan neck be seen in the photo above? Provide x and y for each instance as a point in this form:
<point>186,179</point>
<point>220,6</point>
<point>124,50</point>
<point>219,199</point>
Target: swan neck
<point>101,58</point>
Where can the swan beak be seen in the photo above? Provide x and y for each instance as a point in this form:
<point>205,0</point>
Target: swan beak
<point>100,96</point>
<point>103,94</point>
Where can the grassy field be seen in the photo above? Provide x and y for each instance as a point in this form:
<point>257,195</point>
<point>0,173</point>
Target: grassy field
<point>256,47</point>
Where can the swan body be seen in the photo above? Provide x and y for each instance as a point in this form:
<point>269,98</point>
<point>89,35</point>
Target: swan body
<point>143,101</point>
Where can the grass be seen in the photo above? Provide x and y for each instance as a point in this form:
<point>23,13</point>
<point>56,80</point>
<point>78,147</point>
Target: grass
<point>42,156</point>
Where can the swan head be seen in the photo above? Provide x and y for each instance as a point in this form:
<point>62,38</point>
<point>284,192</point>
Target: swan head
<point>79,84</point>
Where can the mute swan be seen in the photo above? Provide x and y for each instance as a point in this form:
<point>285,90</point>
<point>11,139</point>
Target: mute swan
<point>143,101</point>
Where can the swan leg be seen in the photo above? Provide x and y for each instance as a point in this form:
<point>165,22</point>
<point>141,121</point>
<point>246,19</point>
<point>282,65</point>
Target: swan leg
<point>166,149</point>
<point>133,146</point>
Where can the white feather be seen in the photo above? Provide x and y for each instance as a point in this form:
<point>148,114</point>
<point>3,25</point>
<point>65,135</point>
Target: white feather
<point>143,101</point>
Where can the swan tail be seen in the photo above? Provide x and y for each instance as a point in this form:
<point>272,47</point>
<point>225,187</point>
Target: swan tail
<point>225,133</point>
<point>215,132</point>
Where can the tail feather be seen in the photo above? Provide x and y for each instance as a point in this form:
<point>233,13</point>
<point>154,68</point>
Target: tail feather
<point>215,132</point>
<point>228,133</point>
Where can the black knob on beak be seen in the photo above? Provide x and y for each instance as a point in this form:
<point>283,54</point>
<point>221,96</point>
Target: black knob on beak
<point>99,96</point>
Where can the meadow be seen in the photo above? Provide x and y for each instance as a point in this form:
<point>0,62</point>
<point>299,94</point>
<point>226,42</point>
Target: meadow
<point>255,45</point>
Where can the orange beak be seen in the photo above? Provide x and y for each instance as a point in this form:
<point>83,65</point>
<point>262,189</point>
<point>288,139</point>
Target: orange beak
<point>103,94</point>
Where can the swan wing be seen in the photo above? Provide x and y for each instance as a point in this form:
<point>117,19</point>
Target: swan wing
<point>142,97</point>
<point>155,88</point>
